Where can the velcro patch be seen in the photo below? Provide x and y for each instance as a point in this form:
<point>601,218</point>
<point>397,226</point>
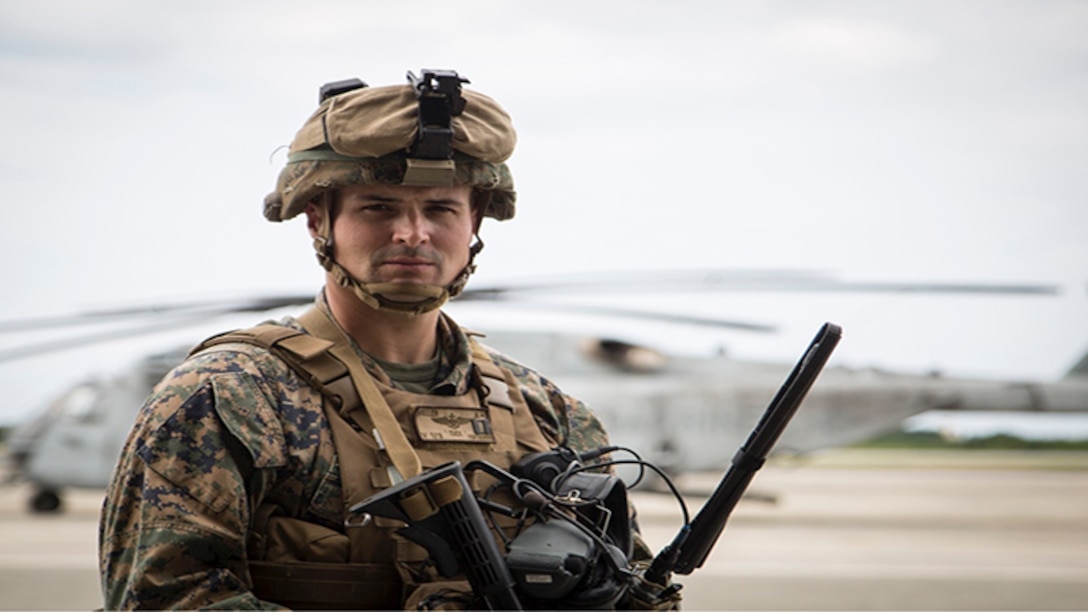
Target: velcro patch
<point>453,425</point>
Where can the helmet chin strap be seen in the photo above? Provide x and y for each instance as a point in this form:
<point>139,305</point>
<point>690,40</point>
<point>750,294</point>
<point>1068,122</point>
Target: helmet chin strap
<point>431,297</point>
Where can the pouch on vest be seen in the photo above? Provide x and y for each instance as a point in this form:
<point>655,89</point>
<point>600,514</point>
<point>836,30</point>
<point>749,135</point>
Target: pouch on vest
<point>304,565</point>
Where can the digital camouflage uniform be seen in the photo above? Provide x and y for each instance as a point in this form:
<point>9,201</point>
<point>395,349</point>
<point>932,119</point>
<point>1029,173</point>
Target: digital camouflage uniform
<point>234,427</point>
<point>235,430</point>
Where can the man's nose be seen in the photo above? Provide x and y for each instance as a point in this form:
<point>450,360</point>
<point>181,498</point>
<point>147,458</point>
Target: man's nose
<point>410,228</point>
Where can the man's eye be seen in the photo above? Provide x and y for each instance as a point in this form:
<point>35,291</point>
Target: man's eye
<point>374,208</point>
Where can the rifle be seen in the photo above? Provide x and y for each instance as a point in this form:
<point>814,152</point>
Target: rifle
<point>444,516</point>
<point>692,544</point>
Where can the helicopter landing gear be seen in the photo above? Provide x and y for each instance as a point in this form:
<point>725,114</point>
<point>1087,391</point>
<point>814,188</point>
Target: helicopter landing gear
<point>45,501</point>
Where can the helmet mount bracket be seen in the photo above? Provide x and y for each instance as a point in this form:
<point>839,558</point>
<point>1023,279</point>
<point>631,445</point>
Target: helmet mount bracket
<point>430,158</point>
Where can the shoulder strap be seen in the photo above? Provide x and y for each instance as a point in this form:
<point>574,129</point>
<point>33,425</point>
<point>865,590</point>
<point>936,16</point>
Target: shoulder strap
<point>401,453</point>
<point>502,390</point>
<point>308,356</point>
<point>498,391</point>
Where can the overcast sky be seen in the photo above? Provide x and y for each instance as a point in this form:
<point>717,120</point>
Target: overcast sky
<point>943,140</point>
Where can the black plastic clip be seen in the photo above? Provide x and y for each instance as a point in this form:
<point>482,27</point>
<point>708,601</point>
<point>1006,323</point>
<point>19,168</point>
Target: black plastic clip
<point>439,94</point>
<point>336,88</point>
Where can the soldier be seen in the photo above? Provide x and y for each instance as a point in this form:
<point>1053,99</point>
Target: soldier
<point>232,487</point>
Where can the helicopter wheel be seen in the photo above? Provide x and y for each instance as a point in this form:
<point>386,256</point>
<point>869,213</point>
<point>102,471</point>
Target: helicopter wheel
<point>45,501</point>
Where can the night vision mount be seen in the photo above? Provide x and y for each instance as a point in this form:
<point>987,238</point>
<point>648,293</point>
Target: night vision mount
<point>440,100</point>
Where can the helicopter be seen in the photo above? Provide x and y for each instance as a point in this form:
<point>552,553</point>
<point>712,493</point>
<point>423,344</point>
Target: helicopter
<point>681,413</point>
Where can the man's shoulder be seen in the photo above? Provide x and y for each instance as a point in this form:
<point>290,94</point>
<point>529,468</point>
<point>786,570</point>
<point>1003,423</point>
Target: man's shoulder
<point>257,336</point>
<point>252,341</point>
<point>243,384</point>
<point>229,354</point>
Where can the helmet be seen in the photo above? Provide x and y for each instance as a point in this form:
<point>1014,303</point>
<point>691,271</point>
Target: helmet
<point>428,132</point>
<point>393,135</point>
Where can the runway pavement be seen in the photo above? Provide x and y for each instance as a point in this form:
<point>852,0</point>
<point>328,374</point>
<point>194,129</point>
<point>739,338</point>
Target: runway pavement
<point>850,531</point>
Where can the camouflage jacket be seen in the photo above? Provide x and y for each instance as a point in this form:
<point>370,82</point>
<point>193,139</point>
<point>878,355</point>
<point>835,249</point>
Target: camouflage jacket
<point>232,428</point>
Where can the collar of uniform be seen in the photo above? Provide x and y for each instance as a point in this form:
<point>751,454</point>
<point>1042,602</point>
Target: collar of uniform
<point>454,362</point>
<point>455,359</point>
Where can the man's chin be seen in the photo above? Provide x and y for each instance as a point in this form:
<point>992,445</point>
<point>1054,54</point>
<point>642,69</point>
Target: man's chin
<point>408,291</point>
<point>403,298</point>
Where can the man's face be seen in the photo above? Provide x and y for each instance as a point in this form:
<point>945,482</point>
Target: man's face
<point>394,233</point>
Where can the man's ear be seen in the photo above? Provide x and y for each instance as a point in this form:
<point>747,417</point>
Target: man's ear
<point>315,216</point>
<point>479,201</point>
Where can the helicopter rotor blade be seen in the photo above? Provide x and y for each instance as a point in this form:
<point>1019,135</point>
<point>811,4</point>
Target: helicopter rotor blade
<point>744,281</point>
<point>180,315</point>
<point>712,280</point>
<point>52,346</point>
<point>208,308</point>
<point>166,318</point>
<point>646,315</point>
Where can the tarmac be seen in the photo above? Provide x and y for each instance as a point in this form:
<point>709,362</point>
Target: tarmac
<point>849,530</point>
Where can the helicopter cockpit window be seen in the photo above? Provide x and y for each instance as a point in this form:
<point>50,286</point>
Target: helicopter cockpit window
<point>625,355</point>
<point>79,404</point>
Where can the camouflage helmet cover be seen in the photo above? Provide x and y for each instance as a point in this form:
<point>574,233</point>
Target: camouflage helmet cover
<point>363,136</point>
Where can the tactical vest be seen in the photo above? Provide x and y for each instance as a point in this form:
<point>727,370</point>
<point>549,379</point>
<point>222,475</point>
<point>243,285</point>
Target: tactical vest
<point>304,565</point>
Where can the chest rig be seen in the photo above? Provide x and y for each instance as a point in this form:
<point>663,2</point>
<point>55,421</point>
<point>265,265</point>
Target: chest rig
<point>380,434</point>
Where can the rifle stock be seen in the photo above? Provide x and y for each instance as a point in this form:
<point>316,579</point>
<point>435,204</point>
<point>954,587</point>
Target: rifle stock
<point>443,515</point>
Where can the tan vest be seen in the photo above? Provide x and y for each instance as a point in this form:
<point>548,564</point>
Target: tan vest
<point>305,565</point>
